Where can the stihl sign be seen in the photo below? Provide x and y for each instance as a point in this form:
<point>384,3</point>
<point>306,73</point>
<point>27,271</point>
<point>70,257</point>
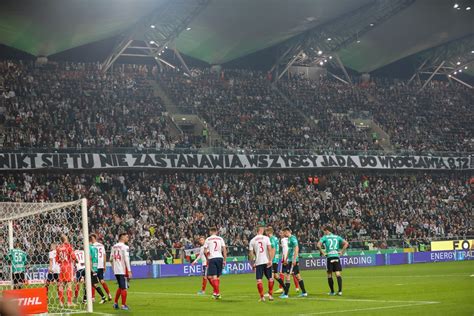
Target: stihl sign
<point>30,301</point>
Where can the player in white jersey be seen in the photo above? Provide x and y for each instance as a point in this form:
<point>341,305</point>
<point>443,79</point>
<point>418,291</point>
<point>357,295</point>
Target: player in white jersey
<point>53,268</point>
<point>120,259</point>
<point>202,256</point>
<point>80,271</point>
<point>261,252</point>
<point>216,253</point>
<point>101,264</point>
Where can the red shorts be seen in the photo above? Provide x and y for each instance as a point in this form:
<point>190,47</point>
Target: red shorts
<point>66,275</point>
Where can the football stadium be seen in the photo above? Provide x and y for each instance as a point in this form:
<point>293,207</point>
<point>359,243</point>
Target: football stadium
<point>236,157</point>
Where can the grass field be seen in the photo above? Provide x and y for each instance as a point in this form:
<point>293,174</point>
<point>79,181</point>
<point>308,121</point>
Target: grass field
<point>418,289</point>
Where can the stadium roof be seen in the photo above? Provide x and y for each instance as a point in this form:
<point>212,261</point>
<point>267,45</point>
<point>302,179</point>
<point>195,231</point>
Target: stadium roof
<point>230,29</point>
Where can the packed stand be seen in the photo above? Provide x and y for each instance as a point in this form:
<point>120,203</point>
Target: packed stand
<point>67,105</point>
<point>439,118</point>
<point>163,211</point>
<point>242,108</point>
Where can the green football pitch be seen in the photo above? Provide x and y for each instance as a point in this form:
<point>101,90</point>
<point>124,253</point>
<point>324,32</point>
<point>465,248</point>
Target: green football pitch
<point>418,289</point>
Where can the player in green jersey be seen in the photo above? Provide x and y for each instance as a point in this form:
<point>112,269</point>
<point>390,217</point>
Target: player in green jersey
<point>18,259</point>
<point>334,246</point>
<point>275,244</point>
<point>94,252</point>
<point>292,267</point>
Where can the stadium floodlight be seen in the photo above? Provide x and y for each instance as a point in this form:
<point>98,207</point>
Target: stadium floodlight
<point>35,229</point>
<point>152,26</point>
<point>330,57</point>
<point>458,63</point>
<point>468,8</point>
<point>460,70</point>
<point>188,29</point>
<point>455,73</point>
<point>329,38</point>
<point>456,5</point>
<point>152,42</point>
<point>320,52</point>
<point>465,67</point>
<point>371,24</point>
<point>321,63</point>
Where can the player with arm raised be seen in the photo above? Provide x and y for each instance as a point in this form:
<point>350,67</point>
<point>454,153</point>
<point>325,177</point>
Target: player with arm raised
<point>261,253</point>
<point>53,268</point>
<point>202,257</point>
<point>66,258</point>
<point>101,265</point>
<point>80,272</point>
<point>292,266</point>
<point>120,259</point>
<point>18,259</point>
<point>334,246</point>
<point>276,256</point>
<point>216,254</point>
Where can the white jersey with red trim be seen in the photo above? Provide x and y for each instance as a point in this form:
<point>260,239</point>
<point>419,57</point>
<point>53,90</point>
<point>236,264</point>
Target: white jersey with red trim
<point>259,245</point>
<point>284,248</point>
<point>120,259</point>
<point>101,254</point>
<point>214,244</point>
<point>81,259</point>
<point>55,268</point>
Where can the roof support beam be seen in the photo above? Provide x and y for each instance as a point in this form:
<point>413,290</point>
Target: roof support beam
<point>157,31</point>
<point>432,75</point>
<point>461,82</point>
<point>341,65</point>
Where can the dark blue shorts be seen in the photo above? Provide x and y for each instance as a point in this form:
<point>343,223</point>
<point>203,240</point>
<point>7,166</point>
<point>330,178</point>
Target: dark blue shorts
<point>52,277</point>
<point>262,270</point>
<point>214,266</point>
<point>80,274</point>
<point>122,281</point>
<point>100,274</point>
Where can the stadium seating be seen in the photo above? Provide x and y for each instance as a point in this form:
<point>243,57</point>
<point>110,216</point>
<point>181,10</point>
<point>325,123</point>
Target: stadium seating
<point>164,210</point>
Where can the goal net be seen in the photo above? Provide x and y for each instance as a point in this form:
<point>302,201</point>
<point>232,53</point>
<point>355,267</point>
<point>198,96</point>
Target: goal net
<point>31,271</point>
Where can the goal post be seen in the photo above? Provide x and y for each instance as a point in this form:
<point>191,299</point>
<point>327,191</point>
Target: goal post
<point>29,234</point>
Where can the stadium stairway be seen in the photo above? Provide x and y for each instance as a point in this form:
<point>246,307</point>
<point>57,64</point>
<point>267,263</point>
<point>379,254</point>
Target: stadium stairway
<point>184,120</point>
<point>373,127</point>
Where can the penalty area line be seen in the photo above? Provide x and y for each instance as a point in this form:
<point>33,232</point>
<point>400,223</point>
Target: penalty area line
<point>368,309</point>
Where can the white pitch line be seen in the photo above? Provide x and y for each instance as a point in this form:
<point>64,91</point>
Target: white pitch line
<point>392,276</point>
<point>305,298</point>
<point>365,309</point>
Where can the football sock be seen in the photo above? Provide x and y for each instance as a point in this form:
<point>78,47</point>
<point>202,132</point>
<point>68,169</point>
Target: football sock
<point>106,288</point>
<point>61,294</point>
<point>204,283</point>
<point>217,281</point>
<point>93,292</point>
<point>280,281</point>
<point>295,280</point>
<point>213,284</point>
<point>287,287</point>
<point>124,297</point>
<point>301,283</point>
<point>331,284</point>
<point>260,287</point>
<point>282,277</point>
<point>69,295</point>
<point>117,295</point>
<point>339,283</point>
<point>271,282</point>
<point>99,290</point>
<point>76,290</point>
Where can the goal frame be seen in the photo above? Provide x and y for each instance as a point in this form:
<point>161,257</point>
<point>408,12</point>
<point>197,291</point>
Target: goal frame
<point>45,207</point>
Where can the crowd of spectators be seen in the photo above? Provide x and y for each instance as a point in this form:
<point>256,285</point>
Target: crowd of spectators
<point>74,105</point>
<point>437,118</point>
<point>169,210</point>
